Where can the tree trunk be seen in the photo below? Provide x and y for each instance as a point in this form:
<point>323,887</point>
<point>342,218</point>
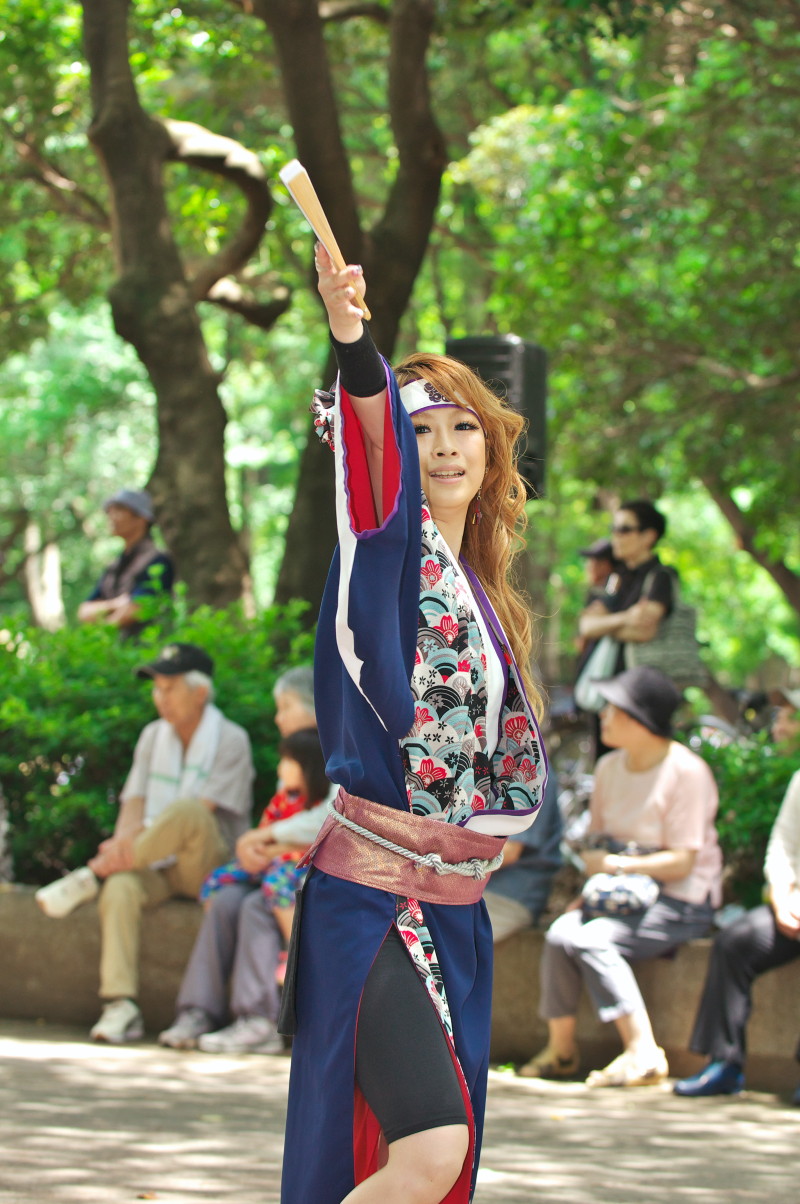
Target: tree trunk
<point>391,253</point>
<point>42,573</point>
<point>154,310</point>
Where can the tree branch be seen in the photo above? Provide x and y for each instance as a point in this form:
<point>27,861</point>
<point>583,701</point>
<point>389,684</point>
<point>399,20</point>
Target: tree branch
<point>787,581</point>
<point>199,147</point>
<point>344,10</point>
<point>69,196</point>
<point>751,379</point>
<point>229,295</point>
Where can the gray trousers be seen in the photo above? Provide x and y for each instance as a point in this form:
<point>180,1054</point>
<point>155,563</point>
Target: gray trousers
<point>238,944</point>
<point>596,954</point>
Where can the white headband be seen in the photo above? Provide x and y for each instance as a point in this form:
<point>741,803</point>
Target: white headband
<point>422,395</point>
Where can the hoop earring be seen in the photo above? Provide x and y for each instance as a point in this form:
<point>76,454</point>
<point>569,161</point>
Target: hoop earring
<point>476,513</point>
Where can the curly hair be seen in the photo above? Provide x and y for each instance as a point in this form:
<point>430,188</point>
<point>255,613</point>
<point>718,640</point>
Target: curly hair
<point>490,546</point>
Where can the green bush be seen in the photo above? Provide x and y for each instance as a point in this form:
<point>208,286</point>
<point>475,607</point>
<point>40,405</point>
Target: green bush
<point>752,778</point>
<point>71,710</point>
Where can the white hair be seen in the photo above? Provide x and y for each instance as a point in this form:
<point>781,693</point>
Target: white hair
<point>196,680</point>
<point>298,681</point>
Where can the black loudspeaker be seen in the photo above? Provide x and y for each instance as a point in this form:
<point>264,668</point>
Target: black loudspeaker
<point>517,371</point>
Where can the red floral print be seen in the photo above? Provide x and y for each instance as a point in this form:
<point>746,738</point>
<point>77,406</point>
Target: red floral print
<point>448,627</point>
<point>431,572</point>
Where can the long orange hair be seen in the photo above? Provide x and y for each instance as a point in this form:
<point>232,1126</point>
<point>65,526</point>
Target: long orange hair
<point>490,546</point>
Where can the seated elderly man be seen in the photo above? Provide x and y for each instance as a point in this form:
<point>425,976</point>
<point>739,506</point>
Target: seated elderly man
<point>186,801</point>
<point>232,970</point>
<point>652,813</point>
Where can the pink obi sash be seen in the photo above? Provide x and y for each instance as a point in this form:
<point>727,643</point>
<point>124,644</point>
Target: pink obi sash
<point>433,862</point>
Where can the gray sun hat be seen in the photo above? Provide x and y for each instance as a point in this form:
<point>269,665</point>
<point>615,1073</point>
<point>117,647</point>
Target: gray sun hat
<point>646,695</point>
<point>136,500</point>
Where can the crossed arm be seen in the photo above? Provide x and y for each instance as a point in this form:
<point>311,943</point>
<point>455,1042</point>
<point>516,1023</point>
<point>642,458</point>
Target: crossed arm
<point>638,624</point>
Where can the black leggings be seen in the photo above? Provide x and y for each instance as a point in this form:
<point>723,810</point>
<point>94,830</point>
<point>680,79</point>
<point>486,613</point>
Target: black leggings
<point>403,1064</point>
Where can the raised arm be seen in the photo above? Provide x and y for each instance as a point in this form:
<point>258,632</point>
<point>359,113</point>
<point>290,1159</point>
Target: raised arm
<point>361,369</point>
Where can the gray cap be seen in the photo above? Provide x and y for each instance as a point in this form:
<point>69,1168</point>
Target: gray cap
<point>136,500</point>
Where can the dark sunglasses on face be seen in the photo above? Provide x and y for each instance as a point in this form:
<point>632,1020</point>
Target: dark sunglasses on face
<point>624,530</point>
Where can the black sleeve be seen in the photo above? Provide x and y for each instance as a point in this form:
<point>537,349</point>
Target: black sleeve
<point>659,589</point>
<point>360,366</point>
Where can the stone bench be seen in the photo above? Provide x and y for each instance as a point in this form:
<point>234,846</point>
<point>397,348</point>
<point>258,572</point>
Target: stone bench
<point>51,967</point>
<point>671,988</point>
<point>50,972</point>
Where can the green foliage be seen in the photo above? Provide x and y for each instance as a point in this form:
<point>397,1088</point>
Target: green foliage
<point>71,710</point>
<point>752,779</point>
<point>633,208</point>
<point>644,228</point>
<point>623,190</point>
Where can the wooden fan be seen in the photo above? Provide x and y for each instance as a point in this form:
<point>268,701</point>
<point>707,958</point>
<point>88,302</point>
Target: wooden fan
<point>296,179</point>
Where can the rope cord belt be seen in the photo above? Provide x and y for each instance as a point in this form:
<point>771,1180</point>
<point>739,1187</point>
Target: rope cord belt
<point>475,867</point>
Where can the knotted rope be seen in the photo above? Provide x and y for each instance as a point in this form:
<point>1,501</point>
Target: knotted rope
<point>476,867</point>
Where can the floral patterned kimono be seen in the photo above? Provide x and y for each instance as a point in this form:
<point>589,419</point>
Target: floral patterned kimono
<point>401,698</point>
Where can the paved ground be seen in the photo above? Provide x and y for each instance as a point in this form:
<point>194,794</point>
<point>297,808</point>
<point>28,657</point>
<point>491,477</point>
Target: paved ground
<point>85,1124</point>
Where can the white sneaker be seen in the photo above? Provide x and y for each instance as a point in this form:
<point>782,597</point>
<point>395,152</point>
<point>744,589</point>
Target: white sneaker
<point>248,1034</point>
<point>189,1025</point>
<point>65,894</point>
<point>120,1022</point>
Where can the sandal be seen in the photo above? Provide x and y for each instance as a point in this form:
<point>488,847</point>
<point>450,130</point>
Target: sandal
<point>548,1065</point>
<point>627,1071</point>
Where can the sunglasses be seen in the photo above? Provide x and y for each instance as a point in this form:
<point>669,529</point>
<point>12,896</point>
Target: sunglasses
<point>624,530</point>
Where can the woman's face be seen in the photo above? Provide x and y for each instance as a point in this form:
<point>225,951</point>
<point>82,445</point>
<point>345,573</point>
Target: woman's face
<point>616,726</point>
<point>631,543</point>
<point>452,459</point>
<point>292,714</point>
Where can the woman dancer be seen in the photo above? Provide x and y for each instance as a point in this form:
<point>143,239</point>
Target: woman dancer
<point>424,715</point>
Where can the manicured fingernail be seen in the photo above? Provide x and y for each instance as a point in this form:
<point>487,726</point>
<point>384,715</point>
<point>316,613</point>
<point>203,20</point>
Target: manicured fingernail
<point>357,270</point>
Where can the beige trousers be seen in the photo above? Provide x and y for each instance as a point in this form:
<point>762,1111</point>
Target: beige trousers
<point>187,832</point>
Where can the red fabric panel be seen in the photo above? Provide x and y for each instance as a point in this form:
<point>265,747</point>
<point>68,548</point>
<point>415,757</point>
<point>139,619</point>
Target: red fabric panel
<point>459,1193</point>
<point>357,483</point>
<point>361,502</point>
<point>366,1139</point>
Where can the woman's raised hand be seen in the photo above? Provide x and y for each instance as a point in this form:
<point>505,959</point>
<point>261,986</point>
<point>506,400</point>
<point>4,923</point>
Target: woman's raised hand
<point>340,295</point>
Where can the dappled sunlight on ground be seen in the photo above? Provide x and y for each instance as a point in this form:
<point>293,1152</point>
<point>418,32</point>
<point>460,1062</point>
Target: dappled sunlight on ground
<point>562,1142</point>
<point>89,1124</point>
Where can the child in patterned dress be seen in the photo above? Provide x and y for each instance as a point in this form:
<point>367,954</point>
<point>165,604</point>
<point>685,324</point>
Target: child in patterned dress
<point>302,787</point>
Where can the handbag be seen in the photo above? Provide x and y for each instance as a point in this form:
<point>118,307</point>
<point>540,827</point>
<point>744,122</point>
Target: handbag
<point>601,662</point>
<point>674,649</point>
<point>617,894</point>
